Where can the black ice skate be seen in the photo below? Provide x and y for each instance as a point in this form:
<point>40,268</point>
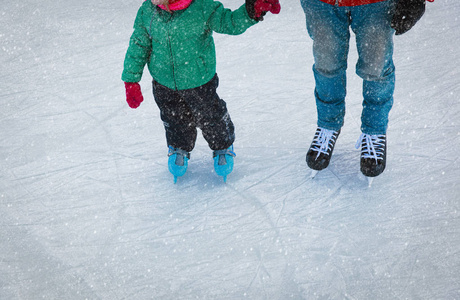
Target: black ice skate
<point>320,152</point>
<point>373,154</point>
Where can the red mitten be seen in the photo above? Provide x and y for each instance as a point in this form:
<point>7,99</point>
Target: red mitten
<point>133,94</point>
<point>262,6</point>
<point>276,7</point>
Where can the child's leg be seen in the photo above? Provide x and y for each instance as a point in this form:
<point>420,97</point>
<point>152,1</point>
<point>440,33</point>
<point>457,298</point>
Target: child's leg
<point>374,38</point>
<point>328,26</point>
<point>177,118</point>
<point>211,115</point>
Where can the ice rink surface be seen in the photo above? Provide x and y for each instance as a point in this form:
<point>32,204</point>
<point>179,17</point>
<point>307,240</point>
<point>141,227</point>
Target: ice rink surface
<point>88,209</point>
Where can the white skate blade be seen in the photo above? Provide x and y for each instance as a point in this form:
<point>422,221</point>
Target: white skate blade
<point>369,181</point>
<point>313,173</point>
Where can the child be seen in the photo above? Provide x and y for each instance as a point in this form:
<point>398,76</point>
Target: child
<point>174,38</point>
<point>374,22</point>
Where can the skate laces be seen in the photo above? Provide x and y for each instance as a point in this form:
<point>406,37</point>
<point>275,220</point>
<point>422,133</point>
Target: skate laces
<point>324,141</point>
<point>372,146</point>
<point>228,151</point>
<point>179,158</point>
<point>221,154</point>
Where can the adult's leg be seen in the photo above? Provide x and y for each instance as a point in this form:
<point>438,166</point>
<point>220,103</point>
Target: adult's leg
<point>374,38</point>
<point>328,26</point>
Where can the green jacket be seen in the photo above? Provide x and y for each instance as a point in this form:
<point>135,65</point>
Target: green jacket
<point>178,47</point>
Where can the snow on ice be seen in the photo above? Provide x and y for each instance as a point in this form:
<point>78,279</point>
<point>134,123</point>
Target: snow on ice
<point>88,209</point>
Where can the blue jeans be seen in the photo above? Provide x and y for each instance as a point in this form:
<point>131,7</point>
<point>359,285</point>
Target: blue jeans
<point>329,27</point>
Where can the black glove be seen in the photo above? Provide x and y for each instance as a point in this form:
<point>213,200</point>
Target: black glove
<point>407,13</point>
<point>252,11</point>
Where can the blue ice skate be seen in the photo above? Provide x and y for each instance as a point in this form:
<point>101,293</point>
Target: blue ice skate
<point>177,161</point>
<point>223,162</point>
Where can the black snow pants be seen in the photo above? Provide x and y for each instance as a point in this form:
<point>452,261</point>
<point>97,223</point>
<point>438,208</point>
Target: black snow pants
<point>185,110</point>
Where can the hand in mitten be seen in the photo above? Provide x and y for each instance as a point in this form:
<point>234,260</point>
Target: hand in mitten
<point>407,13</point>
<point>133,94</point>
<point>258,8</point>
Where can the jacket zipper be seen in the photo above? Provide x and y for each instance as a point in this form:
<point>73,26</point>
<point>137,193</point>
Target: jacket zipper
<point>171,53</point>
<point>172,60</point>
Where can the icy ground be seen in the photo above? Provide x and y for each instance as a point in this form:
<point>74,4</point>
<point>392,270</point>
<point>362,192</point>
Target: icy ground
<point>88,209</point>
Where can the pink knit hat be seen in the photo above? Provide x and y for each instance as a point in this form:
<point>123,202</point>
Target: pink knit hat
<point>174,4</point>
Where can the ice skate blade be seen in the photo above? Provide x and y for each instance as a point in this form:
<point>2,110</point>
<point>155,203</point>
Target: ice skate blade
<point>369,181</point>
<point>313,173</point>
